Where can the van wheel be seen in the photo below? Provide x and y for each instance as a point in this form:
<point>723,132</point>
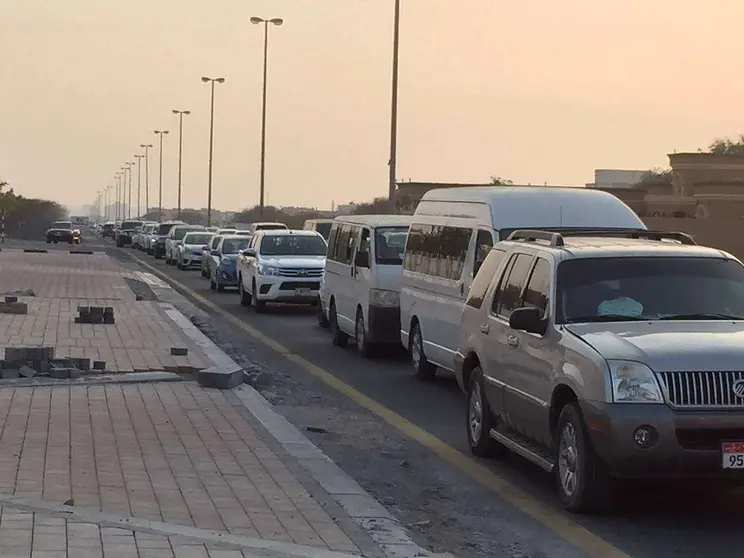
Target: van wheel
<point>481,420</point>
<point>338,337</point>
<point>364,348</point>
<point>422,368</point>
<point>245,298</point>
<point>322,320</point>
<point>582,482</point>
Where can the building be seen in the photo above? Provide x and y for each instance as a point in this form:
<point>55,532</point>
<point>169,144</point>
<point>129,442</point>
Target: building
<point>701,185</point>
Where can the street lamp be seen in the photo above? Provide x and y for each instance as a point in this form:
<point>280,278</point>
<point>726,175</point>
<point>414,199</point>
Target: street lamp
<point>257,21</point>
<point>127,213</point>
<point>160,134</point>
<point>146,147</point>
<point>392,163</point>
<point>107,207</point>
<point>211,145</point>
<point>139,184</point>
<point>130,166</point>
<point>118,195</point>
<point>180,114</point>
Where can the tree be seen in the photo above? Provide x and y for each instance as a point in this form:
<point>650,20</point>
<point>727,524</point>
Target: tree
<point>726,146</point>
<point>657,176</point>
<point>378,206</point>
<point>274,214</point>
<point>498,181</point>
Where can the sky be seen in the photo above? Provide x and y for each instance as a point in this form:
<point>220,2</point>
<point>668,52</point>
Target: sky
<point>536,92</point>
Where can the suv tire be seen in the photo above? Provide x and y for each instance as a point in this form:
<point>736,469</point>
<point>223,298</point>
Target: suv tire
<point>322,320</point>
<point>245,298</point>
<point>480,419</point>
<point>364,347</point>
<point>258,305</point>
<point>582,482</point>
<point>422,368</point>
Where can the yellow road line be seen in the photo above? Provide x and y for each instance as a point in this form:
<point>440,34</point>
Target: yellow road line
<point>569,530</point>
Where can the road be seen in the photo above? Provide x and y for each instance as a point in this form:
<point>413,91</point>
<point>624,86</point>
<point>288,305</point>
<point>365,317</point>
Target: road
<point>404,441</point>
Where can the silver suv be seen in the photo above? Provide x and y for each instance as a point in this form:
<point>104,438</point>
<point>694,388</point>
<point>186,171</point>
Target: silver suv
<point>603,355</point>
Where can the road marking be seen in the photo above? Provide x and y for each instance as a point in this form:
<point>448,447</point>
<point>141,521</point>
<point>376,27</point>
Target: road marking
<point>567,529</point>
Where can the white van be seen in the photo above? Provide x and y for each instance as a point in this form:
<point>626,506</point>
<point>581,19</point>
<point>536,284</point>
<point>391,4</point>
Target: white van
<point>322,226</point>
<point>452,231</point>
<point>267,226</point>
<point>359,293</point>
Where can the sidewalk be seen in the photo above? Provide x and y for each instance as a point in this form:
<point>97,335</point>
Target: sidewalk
<point>152,470</point>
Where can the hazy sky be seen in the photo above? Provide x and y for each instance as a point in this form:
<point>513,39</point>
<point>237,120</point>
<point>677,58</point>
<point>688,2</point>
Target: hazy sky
<point>534,91</point>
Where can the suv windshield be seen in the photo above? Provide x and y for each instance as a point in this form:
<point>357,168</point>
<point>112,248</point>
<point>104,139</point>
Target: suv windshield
<point>61,225</point>
<point>629,289</point>
<point>197,239</point>
<point>130,225</point>
<point>389,245</point>
<point>232,245</point>
<point>179,233</point>
<point>275,227</point>
<point>292,245</point>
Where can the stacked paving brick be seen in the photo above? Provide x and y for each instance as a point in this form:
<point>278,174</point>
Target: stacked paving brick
<point>95,315</point>
<point>29,362</point>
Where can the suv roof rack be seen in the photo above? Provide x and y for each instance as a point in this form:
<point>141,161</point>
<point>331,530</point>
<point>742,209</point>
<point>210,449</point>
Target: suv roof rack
<point>556,238</point>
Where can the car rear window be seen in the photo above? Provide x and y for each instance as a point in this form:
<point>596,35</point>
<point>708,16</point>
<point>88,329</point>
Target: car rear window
<point>179,233</point>
<point>197,239</point>
<point>165,229</point>
<point>61,225</point>
<point>130,225</point>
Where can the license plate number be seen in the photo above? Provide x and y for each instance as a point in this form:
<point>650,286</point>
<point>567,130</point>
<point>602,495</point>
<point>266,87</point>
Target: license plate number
<point>733,455</point>
<point>302,292</point>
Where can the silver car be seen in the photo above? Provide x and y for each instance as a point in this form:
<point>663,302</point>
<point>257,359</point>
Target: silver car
<point>606,355</point>
<point>174,238</point>
<point>189,252</point>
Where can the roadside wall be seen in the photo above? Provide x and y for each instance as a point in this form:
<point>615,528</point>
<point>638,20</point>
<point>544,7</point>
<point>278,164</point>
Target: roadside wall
<point>726,234</point>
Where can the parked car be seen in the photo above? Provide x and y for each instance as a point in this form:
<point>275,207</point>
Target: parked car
<point>174,238</point>
<point>604,356</point>
<point>281,266</point>
<point>206,254</point>
<point>140,239</point>
<point>360,290</point>
<point>60,231</point>
<point>222,266</point>
<point>451,233</point>
<point>159,235</point>
<point>126,232</point>
<point>189,251</point>
<point>323,226</point>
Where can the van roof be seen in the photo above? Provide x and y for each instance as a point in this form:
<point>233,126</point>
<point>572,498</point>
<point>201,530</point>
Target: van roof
<point>511,207</point>
<point>377,220</point>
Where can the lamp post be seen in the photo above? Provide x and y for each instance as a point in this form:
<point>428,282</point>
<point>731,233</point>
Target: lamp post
<point>127,209</point>
<point>146,147</point>
<point>392,163</point>
<point>130,165</point>
<point>139,184</point>
<point>160,134</point>
<point>257,21</point>
<point>212,81</point>
<point>117,210</point>
<point>107,207</point>
<point>180,114</point>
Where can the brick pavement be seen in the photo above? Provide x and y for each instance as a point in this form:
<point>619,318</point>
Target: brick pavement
<point>169,452</point>
<point>139,341</point>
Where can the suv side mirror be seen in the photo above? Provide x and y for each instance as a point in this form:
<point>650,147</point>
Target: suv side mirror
<point>529,319</point>
<point>249,253</point>
<point>361,259</point>
<point>205,247</point>
<point>215,252</point>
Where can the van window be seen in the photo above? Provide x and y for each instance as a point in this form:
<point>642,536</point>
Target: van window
<point>414,258</point>
<point>454,251</point>
<point>366,241</point>
<point>353,234</point>
<point>484,277</point>
<point>483,245</point>
<point>390,242</point>
<point>324,229</point>
<point>332,241</point>
<point>342,242</point>
<point>538,288</point>
<point>508,296</point>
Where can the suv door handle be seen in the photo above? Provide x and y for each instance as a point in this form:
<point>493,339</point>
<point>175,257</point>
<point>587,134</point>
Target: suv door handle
<point>513,340</point>
<point>485,328</point>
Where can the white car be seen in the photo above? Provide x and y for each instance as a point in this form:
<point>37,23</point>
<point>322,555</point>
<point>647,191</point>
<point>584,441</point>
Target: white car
<point>281,266</point>
<point>174,238</point>
<point>189,252</point>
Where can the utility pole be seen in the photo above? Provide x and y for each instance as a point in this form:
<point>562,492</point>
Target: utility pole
<point>180,114</point>
<point>146,147</point>
<point>392,163</point>
<point>160,134</point>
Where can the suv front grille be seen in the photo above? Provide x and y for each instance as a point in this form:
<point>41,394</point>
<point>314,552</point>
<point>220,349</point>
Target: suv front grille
<point>300,272</point>
<point>703,389</point>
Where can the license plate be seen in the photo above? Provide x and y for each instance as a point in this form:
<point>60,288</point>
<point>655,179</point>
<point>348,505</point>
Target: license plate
<point>733,455</point>
<point>302,292</point>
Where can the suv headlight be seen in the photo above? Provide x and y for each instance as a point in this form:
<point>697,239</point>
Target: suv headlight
<point>633,382</point>
<point>225,260</point>
<point>381,297</point>
<point>267,270</point>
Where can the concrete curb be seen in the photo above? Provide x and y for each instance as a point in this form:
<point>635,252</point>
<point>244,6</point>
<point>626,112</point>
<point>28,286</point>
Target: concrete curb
<point>226,373</point>
<point>367,512</point>
<point>94,379</point>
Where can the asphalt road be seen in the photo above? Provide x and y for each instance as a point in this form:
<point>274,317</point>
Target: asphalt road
<point>511,513</point>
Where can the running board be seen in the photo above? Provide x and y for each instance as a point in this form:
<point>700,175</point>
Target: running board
<point>524,448</point>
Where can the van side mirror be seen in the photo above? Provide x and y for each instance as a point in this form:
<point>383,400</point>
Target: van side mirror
<point>361,259</point>
<point>529,319</point>
<point>205,247</point>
